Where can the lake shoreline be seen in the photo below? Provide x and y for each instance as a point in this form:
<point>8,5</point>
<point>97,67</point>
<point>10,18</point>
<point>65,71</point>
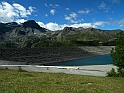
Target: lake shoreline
<point>93,60</point>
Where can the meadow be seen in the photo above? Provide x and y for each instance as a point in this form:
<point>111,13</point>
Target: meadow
<point>14,81</point>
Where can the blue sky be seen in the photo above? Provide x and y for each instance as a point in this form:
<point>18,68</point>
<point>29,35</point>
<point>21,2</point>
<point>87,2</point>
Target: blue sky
<point>56,14</point>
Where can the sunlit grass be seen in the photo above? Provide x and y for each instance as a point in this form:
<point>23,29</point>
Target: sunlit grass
<point>33,82</point>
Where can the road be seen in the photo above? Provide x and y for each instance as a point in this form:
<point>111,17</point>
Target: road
<point>93,70</point>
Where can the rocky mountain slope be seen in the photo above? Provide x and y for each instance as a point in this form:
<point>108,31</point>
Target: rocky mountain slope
<point>13,29</point>
<point>89,34</point>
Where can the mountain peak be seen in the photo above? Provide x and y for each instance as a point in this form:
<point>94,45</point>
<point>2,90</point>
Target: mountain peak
<point>31,23</point>
<point>69,29</point>
<point>78,29</point>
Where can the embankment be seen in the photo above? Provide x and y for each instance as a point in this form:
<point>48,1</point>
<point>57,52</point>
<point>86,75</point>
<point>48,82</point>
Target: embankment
<point>42,56</point>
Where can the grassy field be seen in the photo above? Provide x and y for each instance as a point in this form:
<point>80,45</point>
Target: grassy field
<point>12,81</point>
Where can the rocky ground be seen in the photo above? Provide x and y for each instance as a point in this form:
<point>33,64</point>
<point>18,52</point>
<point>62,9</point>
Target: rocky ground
<point>44,56</point>
<point>99,50</point>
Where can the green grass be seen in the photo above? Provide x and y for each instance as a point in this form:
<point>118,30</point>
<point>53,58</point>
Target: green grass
<point>12,81</point>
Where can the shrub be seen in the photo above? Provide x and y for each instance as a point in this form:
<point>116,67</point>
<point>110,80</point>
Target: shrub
<point>121,72</point>
<point>20,69</point>
<point>112,73</point>
<point>117,53</point>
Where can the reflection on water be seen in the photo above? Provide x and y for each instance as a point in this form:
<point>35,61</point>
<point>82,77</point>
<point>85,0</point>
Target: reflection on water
<point>97,60</point>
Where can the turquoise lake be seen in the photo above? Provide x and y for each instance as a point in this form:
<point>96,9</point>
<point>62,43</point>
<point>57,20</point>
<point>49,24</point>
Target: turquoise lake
<point>96,60</point>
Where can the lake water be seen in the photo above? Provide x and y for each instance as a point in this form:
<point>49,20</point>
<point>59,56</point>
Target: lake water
<point>96,60</point>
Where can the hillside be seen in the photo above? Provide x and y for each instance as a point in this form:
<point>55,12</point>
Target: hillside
<point>89,34</point>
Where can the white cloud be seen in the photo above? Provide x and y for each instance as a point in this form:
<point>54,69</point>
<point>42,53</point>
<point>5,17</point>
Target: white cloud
<point>115,1</point>
<point>46,15</point>
<point>52,5</point>
<point>21,10</point>
<point>46,5</point>
<point>100,23</point>
<point>117,22</point>
<point>73,15</point>
<point>9,13</point>
<point>102,5</point>
<point>20,21</point>
<point>54,26</point>
<point>74,21</point>
<point>51,26</point>
<point>52,11</point>
<point>56,5</point>
<point>120,22</point>
<point>84,25</point>
<point>84,11</point>
<point>73,18</point>
<point>67,9</point>
<point>32,9</point>
<point>67,17</point>
<point>41,24</point>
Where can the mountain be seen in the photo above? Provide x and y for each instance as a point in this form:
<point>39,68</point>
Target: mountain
<point>14,29</point>
<point>88,34</point>
<point>29,32</point>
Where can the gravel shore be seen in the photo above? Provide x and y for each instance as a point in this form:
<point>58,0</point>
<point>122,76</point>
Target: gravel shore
<point>94,70</point>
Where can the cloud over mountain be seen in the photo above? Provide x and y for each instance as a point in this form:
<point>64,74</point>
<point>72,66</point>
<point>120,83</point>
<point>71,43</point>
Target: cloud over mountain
<point>11,12</point>
<point>54,26</point>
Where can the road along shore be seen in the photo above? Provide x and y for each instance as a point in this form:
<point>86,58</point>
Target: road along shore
<point>93,70</point>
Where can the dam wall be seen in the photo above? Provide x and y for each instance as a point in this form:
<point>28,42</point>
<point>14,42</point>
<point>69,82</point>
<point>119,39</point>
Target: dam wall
<point>42,56</point>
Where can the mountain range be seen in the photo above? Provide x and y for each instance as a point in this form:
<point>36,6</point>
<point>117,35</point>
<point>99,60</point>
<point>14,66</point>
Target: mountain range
<point>31,31</point>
